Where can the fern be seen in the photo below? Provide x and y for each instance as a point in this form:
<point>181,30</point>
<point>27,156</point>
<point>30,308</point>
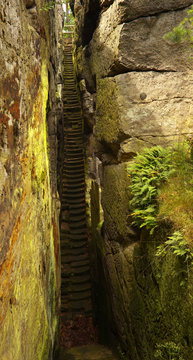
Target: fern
<point>184,31</point>
<point>178,246</point>
<point>150,169</point>
<point>168,351</point>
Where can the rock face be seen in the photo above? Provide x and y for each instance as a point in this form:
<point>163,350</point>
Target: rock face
<point>29,207</point>
<point>141,87</point>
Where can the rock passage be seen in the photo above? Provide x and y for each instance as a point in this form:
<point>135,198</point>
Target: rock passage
<point>76,304</point>
<point>76,285</point>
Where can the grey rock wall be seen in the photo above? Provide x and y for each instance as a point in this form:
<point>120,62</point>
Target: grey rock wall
<point>142,89</point>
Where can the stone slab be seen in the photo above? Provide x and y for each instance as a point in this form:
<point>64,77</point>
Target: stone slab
<point>145,105</point>
<point>138,45</point>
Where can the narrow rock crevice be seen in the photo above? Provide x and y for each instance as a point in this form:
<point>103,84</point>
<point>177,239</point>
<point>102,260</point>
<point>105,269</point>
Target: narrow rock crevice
<point>76,304</point>
<point>91,21</point>
<point>114,73</point>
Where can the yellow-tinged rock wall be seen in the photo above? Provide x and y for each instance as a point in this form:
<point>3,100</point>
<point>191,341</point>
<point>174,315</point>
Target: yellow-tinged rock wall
<point>29,206</point>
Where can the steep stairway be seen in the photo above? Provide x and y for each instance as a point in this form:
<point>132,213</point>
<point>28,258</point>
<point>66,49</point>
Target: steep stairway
<point>78,334</point>
<point>76,304</point>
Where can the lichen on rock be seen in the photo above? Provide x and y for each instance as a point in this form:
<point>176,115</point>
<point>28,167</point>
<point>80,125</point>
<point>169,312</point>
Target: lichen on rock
<point>29,256</point>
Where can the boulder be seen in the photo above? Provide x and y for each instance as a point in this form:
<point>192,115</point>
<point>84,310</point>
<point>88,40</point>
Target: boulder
<point>144,105</point>
<point>138,45</point>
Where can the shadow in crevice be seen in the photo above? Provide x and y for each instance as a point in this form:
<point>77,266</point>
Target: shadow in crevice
<point>91,21</point>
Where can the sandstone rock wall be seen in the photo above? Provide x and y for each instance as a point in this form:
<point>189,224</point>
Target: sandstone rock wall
<point>31,78</point>
<point>137,91</point>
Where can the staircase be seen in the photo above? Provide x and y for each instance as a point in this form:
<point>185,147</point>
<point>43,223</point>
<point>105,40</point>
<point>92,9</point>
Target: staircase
<point>75,268</point>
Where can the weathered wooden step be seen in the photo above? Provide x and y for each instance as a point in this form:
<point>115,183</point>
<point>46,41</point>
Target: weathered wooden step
<point>75,289</point>
<point>77,212</point>
<point>79,174</point>
<point>76,270</point>
<point>83,258</point>
<point>74,185</point>
<point>77,218</point>
<point>73,191</point>
<point>75,244</point>
<point>75,251</point>
<point>77,224</point>
<point>78,237</point>
<point>73,162</point>
<point>80,279</point>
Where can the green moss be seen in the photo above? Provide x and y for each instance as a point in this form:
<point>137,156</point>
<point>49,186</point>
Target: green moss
<point>31,316</point>
<point>115,200</point>
<point>107,122</point>
<point>160,308</point>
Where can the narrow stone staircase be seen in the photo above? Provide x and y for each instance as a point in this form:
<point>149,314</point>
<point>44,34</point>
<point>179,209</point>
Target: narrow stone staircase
<point>76,304</point>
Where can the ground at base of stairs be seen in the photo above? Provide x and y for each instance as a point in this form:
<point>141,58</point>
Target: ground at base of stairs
<point>88,352</point>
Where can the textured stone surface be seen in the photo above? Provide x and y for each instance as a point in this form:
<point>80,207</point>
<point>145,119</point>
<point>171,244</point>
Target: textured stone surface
<point>29,242</point>
<point>115,202</point>
<point>137,45</point>
<point>142,106</point>
<point>119,273</point>
<point>144,97</point>
<point>127,10</point>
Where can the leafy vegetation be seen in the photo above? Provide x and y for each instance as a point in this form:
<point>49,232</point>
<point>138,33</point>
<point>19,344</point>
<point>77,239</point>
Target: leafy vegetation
<point>178,246</point>
<point>50,4</point>
<point>168,351</point>
<point>121,353</point>
<point>149,170</point>
<point>68,15</point>
<point>184,31</point>
<point>176,197</point>
<point>162,192</point>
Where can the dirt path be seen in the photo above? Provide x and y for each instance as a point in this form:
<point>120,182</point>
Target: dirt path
<point>89,352</point>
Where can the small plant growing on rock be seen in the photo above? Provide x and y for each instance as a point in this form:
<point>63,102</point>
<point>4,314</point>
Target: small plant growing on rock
<point>162,189</point>
<point>149,170</point>
<point>177,245</point>
<point>184,31</point>
<point>50,4</point>
<point>168,351</point>
<point>121,353</point>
